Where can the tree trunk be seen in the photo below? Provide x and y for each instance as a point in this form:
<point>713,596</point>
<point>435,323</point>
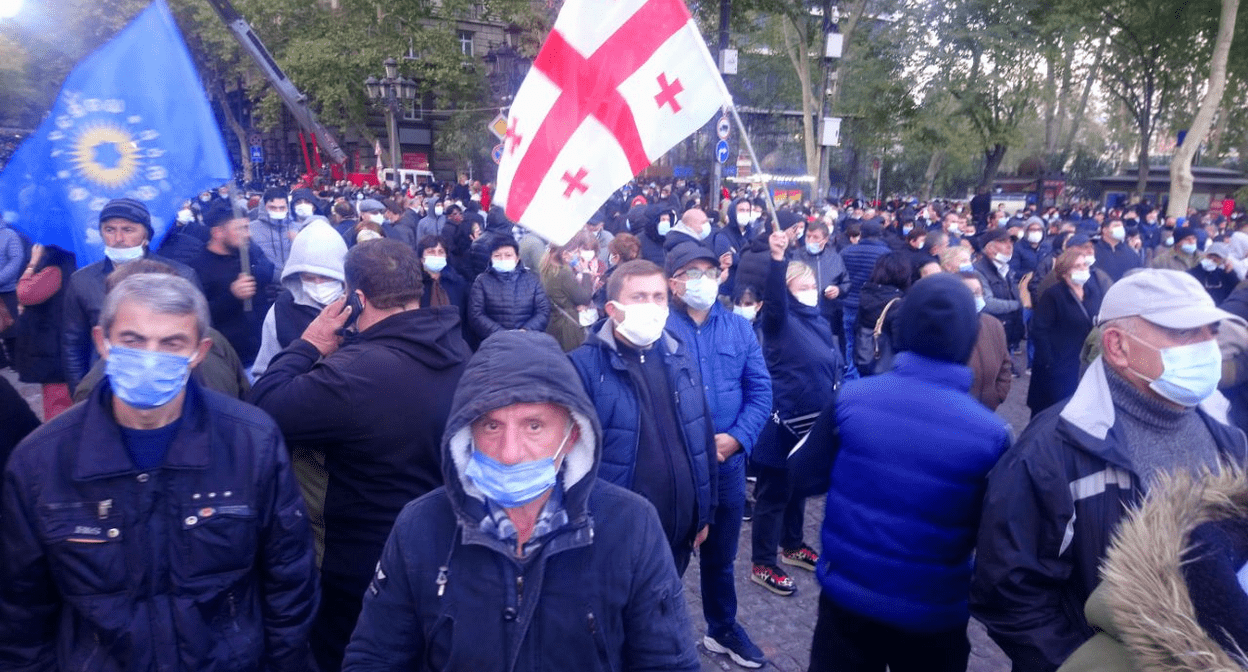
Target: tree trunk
<point>1077,117</point>
<point>1219,131</point>
<point>1181,164</point>
<point>799,55</point>
<point>992,163</point>
<point>929,177</point>
<point>240,133</point>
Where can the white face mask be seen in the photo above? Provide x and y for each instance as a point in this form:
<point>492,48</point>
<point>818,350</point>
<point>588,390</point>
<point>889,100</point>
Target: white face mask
<point>1091,259</point>
<point>744,218</point>
<point>700,294</point>
<point>1209,265</point>
<point>277,215</point>
<point>664,227</point>
<point>1118,233</point>
<point>807,297</point>
<point>954,228</point>
<point>504,265</point>
<point>587,255</point>
<point>323,293</point>
<point>1080,277</point>
<point>120,255</point>
<point>304,210</point>
<point>1190,373</point>
<point>587,317</point>
<point>437,211</point>
<point>1002,258</point>
<point>1035,237</point>
<point>376,217</point>
<point>186,216</point>
<point>643,322</point>
<point>748,312</point>
<point>435,264</point>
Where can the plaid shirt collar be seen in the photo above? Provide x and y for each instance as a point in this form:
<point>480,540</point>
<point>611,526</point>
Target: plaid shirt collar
<point>553,517</point>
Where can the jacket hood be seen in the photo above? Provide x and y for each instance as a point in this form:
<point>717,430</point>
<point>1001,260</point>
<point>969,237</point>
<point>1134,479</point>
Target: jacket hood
<point>318,249</point>
<point>1149,603</point>
<point>431,335</point>
<point>732,213</point>
<point>514,367</point>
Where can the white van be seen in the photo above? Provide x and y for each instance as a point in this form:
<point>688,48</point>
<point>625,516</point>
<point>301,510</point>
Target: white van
<point>386,176</point>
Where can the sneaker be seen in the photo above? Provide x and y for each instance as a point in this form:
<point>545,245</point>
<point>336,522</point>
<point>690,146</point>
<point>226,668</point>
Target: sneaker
<point>738,646</point>
<point>774,579</point>
<point>748,514</point>
<point>803,556</point>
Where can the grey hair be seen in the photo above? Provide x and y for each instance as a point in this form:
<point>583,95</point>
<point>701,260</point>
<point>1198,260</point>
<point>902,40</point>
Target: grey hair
<point>161,293</point>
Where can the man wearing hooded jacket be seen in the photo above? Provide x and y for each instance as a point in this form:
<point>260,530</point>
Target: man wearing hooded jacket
<point>376,405</point>
<point>524,560</point>
<point>1145,407</point>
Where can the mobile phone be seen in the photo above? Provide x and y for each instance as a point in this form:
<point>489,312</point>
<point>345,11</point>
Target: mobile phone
<point>353,302</point>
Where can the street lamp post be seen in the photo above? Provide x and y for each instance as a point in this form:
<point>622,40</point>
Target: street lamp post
<point>390,92</point>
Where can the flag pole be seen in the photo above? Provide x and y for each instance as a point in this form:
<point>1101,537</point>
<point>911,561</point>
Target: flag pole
<point>749,146</point>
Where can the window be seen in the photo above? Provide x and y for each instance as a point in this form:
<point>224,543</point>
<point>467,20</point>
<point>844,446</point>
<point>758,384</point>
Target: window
<point>413,110</point>
<point>465,42</point>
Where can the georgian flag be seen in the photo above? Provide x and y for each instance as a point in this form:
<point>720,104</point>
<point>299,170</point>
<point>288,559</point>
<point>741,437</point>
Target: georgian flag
<point>616,85</point>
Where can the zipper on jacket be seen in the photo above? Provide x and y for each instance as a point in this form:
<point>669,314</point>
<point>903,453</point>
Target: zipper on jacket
<point>519,590</point>
<point>442,579</point>
<point>229,597</point>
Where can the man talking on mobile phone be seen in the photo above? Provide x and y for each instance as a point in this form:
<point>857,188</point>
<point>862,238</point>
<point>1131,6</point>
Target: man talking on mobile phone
<point>375,401</point>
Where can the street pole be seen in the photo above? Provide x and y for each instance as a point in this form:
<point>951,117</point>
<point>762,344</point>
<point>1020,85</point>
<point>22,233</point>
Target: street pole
<point>725,11</point>
<point>392,129</point>
<point>879,173</point>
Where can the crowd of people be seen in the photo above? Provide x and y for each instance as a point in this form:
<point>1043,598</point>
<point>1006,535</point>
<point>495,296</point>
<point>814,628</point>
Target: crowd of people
<point>361,428</point>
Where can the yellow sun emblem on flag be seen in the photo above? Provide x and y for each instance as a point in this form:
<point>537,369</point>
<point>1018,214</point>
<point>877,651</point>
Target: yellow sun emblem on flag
<point>106,154</point>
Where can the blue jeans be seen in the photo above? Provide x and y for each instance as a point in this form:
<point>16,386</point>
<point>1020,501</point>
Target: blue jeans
<point>717,553</point>
<point>849,318</point>
<point>1031,342</point>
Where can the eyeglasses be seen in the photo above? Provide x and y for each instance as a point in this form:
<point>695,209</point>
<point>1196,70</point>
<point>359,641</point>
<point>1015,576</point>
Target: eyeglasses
<point>696,274</point>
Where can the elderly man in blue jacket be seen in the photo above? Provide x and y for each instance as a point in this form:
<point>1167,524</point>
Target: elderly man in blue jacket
<point>738,395</point>
<point>156,526</point>
<point>525,560</point>
<point>910,453</point>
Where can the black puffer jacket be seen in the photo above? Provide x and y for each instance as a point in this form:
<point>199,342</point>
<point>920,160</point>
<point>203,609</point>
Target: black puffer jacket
<point>501,301</point>
<point>599,593</point>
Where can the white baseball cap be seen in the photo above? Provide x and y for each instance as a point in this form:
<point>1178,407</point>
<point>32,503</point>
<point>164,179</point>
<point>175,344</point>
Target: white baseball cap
<point>1170,299</point>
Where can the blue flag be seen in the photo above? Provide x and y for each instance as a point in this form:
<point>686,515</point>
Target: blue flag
<point>131,120</point>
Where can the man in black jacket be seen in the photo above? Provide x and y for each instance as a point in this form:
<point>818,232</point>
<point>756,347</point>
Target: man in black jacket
<point>1145,407</point>
<point>376,403</point>
<point>126,228</point>
<point>158,524</point>
<point>1001,284</point>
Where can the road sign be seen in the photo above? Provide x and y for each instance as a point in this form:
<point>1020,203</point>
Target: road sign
<point>498,127</point>
<point>723,128</point>
<point>257,154</point>
<point>721,151</point>
<point>497,153</point>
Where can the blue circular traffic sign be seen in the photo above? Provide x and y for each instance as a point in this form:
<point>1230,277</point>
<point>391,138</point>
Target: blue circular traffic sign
<point>721,151</point>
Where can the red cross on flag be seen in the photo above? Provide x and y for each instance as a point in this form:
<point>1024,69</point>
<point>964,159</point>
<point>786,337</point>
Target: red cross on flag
<point>617,84</point>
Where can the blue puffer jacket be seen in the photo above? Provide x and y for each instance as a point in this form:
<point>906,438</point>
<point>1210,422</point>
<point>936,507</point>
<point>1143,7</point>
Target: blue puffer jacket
<point>204,564</point>
<point>859,263</point>
<point>898,549</point>
<point>502,301</point>
<point>734,374</point>
<point>606,379</point>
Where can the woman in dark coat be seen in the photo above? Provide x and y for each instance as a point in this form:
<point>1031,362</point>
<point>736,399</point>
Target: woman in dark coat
<point>806,368</point>
<point>1060,323</point>
<point>442,285</point>
<point>506,295</point>
<point>38,358</point>
<point>888,284</point>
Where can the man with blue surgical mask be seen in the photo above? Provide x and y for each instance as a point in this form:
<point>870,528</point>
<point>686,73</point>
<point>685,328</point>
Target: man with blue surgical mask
<point>738,395</point>
<point>524,559</point>
<point>126,231</point>
<point>1146,407</point>
<point>693,227</point>
<point>158,522</point>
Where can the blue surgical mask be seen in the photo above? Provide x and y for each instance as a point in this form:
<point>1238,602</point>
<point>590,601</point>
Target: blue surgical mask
<point>435,264</point>
<point>143,378</point>
<point>504,265</point>
<point>1188,248</point>
<point>120,255</point>
<point>814,248</point>
<point>664,227</point>
<point>1190,373</point>
<point>966,268</point>
<point>513,485</point>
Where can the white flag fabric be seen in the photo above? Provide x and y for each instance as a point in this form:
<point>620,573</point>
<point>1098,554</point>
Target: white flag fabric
<point>616,85</point>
